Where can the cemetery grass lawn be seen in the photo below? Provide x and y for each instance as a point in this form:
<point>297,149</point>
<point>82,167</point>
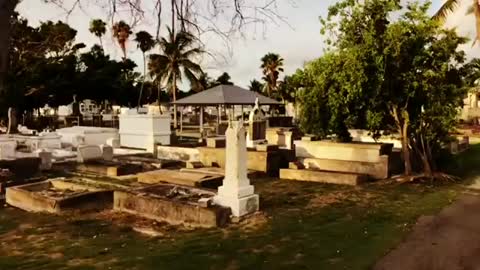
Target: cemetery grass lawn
<point>304,226</point>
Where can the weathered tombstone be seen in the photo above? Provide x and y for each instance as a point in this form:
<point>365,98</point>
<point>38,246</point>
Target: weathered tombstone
<point>45,160</point>
<point>89,152</point>
<point>75,107</point>
<point>257,126</point>
<point>236,191</point>
<point>78,140</point>
<point>107,152</point>
<point>7,148</point>
<point>114,142</point>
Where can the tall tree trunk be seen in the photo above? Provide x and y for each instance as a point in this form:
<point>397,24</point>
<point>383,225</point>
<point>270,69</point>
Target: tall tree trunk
<point>173,18</point>
<point>143,81</point>
<point>406,149</point>
<point>6,11</point>
<point>174,92</point>
<point>101,43</point>
<point>402,122</point>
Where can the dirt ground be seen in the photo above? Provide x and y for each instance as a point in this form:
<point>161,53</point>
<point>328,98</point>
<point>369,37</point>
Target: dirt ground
<point>447,241</point>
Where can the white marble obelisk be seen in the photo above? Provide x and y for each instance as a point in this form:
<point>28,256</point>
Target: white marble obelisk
<point>236,191</point>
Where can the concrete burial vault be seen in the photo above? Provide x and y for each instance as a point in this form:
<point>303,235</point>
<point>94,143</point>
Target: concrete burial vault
<point>173,204</point>
<point>58,196</point>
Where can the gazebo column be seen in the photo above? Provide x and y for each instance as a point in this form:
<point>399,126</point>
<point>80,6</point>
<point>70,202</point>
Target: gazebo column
<point>219,117</point>
<point>241,110</point>
<point>181,118</point>
<point>201,121</point>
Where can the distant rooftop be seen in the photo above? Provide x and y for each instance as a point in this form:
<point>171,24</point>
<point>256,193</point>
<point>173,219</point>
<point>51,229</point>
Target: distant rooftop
<point>226,95</point>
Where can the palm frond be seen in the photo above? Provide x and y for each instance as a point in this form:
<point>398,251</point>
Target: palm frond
<point>194,67</point>
<point>448,7</point>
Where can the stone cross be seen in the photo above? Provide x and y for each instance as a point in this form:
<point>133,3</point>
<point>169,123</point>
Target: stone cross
<point>257,126</point>
<point>236,191</point>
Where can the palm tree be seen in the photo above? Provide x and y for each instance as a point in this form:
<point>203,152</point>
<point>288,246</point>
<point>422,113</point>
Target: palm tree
<point>255,86</point>
<point>204,82</point>
<point>224,79</point>
<point>122,31</point>
<point>145,43</point>
<point>98,28</point>
<point>175,62</point>
<point>272,65</point>
<point>450,5</point>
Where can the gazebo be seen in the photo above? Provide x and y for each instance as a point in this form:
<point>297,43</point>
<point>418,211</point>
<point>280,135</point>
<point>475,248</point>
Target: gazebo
<point>222,95</point>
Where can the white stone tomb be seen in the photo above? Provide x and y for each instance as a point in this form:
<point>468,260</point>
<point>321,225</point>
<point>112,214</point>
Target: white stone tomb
<point>144,131</point>
<point>236,191</point>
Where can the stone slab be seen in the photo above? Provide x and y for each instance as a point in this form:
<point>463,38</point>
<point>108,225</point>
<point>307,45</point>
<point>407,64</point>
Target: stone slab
<point>323,177</point>
<point>216,171</point>
<point>178,153</point>
<point>156,205</point>
<point>375,170</point>
<point>367,152</point>
<point>107,168</point>
<point>216,142</point>
<point>266,147</point>
<point>58,196</point>
<point>192,179</point>
<point>193,165</point>
<point>265,162</point>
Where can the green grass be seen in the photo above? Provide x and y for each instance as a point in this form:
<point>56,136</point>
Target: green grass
<point>307,226</point>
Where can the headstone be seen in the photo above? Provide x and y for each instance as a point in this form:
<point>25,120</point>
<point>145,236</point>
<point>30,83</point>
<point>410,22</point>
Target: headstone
<point>114,142</point>
<point>107,152</point>
<point>78,140</point>
<point>236,191</point>
<point>257,126</point>
<point>7,149</point>
<point>45,160</point>
<point>75,107</point>
<point>88,153</point>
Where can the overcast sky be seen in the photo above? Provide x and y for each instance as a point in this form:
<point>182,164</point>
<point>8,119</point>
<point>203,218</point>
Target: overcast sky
<point>297,42</point>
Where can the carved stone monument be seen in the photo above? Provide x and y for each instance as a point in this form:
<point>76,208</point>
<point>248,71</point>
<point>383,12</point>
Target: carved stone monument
<point>257,126</point>
<point>236,191</point>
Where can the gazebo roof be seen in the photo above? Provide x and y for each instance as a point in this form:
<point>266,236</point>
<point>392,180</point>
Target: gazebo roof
<point>226,95</point>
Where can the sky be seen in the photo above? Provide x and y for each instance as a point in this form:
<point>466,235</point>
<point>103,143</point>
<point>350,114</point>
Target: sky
<point>297,40</point>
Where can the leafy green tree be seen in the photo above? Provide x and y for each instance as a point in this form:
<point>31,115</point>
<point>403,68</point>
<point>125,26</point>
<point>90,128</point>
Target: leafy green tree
<point>288,87</point>
<point>272,65</point>
<point>402,74</point>
<point>224,79</point>
<point>122,31</point>
<point>176,62</point>
<point>145,43</point>
<point>98,28</point>
<point>256,86</point>
<point>102,78</point>
<point>43,66</point>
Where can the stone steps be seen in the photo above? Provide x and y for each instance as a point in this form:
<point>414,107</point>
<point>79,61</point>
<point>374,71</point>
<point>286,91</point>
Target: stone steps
<point>309,175</point>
